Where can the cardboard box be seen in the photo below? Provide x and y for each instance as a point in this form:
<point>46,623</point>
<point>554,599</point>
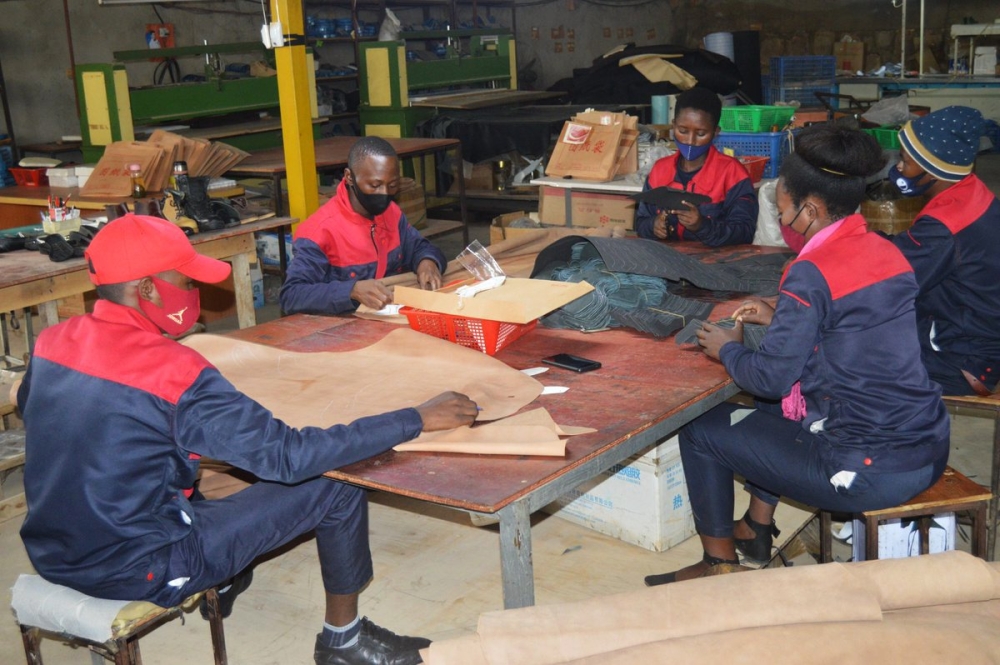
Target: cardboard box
<point>410,199</point>
<point>897,539</point>
<point>477,176</point>
<point>850,56</point>
<point>267,247</point>
<point>591,209</point>
<point>985,61</point>
<point>500,229</point>
<point>257,285</point>
<point>518,300</point>
<point>643,502</point>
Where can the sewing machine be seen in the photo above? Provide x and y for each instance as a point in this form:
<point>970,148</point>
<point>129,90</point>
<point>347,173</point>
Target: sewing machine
<point>401,87</point>
<point>111,107</point>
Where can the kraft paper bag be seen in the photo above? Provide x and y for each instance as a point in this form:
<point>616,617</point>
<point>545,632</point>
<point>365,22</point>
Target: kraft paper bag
<point>585,150</point>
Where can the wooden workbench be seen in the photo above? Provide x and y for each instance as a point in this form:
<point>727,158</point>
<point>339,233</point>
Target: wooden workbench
<point>21,205</point>
<point>646,390</point>
<point>29,279</point>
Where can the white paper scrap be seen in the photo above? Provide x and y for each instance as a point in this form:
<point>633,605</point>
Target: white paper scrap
<point>554,390</point>
<point>535,371</point>
<point>738,415</point>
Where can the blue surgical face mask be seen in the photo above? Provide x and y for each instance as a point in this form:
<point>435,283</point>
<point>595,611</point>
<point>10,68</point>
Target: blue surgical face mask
<point>692,152</point>
<point>909,186</point>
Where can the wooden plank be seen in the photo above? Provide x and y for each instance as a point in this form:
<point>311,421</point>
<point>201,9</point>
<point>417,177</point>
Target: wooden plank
<point>440,227</point>
<point>952,488</point>
<point>13,461</point>
<point>482,99</point>
<point>12,507</point>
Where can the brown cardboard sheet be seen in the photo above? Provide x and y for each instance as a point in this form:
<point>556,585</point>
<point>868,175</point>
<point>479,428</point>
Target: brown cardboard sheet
<point>404,369</point>
<point>529,433</point>
<point>517,300</point>
<point>515,255</point>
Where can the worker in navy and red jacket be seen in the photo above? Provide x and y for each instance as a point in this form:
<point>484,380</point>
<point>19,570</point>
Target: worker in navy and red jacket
<point>697,167</point>
<point>117,416</point>
<point>357,238</point>
<point>860,426</point>
<point>954,248</point>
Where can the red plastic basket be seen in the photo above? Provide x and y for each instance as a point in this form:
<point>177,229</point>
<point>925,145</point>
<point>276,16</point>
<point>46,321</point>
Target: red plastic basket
<point>756,166</point>
<point>29,177</point>
<point>482,334</point>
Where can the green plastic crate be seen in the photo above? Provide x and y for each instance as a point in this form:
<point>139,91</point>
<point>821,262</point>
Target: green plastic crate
<point>755,118</point>
<point>887,137</point>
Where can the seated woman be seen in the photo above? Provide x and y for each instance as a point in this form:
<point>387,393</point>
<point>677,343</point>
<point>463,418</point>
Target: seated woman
<point>697,167</point>
<point>861,426</point>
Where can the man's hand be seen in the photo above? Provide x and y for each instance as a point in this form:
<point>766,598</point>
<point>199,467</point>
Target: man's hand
<point>713,338</point>
<point>754,311</point>
<point>660,225</point>
<point>429,275</point>
<point>447,411</point>
<point>371,293</point>
<point>689,217</point>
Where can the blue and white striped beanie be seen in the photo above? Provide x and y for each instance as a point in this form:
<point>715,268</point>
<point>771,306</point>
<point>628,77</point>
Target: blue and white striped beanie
<point>944,143</point>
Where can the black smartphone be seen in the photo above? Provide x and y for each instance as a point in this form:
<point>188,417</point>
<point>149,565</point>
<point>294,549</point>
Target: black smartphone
<point>571,362</point>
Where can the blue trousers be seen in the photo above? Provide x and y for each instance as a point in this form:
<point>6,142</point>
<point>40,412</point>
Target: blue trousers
<point>777,457</point>
<point>228,534</point>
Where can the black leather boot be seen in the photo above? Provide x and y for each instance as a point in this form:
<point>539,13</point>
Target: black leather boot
<point>757,549</point>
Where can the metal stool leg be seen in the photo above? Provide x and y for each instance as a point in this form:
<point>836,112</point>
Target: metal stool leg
<point>31,638</point>
<point>991,541</point>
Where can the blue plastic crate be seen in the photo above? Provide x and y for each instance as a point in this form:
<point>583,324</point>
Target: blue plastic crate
<point>803,70</point>
<point>766,144</point>
<point>803,94</point>
<point>6,161</point>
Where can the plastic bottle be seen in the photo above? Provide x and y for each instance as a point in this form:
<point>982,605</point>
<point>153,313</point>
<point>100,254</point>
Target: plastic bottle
<point>179,180</point>
<point>138,182</point>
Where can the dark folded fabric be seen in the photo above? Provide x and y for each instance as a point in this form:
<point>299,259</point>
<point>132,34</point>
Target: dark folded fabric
<point>668,198</point>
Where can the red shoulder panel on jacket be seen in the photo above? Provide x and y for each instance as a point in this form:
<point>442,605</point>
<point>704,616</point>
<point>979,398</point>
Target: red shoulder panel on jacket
<point>853,259</point>
<point>123,354</point>
<point>961,204</point>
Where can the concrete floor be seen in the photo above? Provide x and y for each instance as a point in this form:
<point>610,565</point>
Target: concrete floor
<point>434,571</point>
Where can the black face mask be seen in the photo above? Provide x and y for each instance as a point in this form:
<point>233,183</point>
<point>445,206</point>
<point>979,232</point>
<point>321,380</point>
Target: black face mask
<point>375,204</point>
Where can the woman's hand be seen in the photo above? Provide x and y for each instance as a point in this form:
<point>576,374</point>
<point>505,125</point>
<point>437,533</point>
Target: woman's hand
<point>754,311</point>
<point>689,217</point>
<point>660,225</point>
<point>712,338</point>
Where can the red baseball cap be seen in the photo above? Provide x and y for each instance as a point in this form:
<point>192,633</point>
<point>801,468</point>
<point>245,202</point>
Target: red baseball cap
<point>136,246</point>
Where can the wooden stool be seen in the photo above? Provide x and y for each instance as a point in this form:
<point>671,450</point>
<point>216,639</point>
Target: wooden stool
<point>986,406</point>
<point>110,629</point>
<point>953,492</point>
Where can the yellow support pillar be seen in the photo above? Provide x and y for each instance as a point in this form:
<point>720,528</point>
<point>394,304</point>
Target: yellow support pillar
<point>296,112</point>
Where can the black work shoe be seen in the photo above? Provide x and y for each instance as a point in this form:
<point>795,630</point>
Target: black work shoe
<point>375,646</point>
<point>237,585</point>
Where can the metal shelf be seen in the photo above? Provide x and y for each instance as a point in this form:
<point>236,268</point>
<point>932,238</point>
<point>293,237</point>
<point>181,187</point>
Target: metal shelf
<point>330,79</point>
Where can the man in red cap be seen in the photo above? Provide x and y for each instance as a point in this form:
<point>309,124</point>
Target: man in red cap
<point>109,474</point>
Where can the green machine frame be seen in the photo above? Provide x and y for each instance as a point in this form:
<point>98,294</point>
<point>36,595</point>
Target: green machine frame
<point>387,78</point>
<point>110,109</point>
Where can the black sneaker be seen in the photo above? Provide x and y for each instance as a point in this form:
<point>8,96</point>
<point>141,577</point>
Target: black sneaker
<point>375,646</point>
<point>237,585</point>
